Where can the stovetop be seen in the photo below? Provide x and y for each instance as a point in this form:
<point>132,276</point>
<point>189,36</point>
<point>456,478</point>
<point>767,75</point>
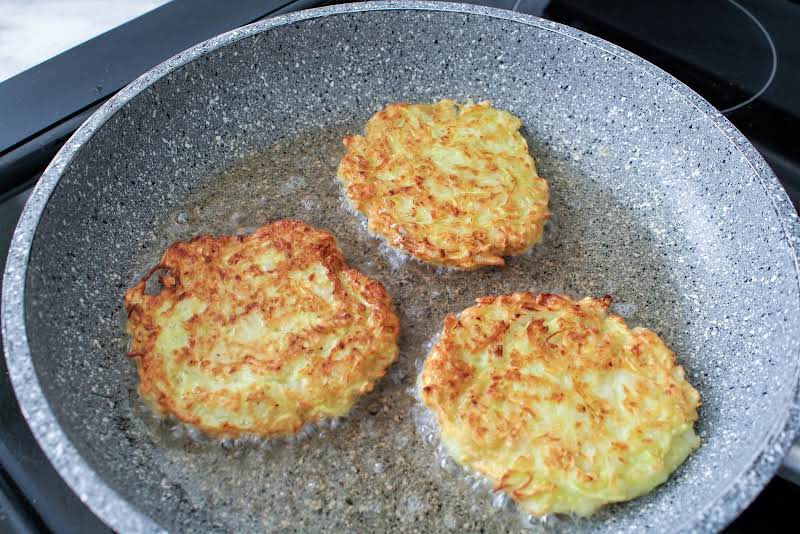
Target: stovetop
<point>743,56</point>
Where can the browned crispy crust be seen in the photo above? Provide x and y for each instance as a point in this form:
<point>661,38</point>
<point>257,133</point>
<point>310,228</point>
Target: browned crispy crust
<point>453,185</point>
<point>273,331</point>
<point>521,386</point>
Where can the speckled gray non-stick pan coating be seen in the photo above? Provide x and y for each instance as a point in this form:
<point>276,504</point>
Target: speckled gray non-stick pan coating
<point>656,200</point>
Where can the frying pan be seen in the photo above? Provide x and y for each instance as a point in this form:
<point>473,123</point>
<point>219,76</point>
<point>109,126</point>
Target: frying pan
<point>657,200</point>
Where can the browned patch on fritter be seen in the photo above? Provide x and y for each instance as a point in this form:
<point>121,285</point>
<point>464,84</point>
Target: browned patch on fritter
<point>259,334</point>
<point>558,402</point>
<point>450,184</point>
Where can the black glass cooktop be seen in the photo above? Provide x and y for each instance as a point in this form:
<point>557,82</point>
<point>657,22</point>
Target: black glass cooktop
<point>743,56</point>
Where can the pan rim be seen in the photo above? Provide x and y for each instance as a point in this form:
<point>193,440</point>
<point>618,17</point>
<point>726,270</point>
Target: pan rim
<point>122,515</point>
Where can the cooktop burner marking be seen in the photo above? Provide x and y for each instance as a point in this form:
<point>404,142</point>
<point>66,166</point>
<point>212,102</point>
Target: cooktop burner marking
<point>772,49</point>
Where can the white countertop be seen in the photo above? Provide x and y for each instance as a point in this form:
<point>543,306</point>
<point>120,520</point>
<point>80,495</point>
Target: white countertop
<point>32,31</point>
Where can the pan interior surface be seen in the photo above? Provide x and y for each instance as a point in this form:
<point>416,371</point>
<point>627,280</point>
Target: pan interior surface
<point>651,203</point>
